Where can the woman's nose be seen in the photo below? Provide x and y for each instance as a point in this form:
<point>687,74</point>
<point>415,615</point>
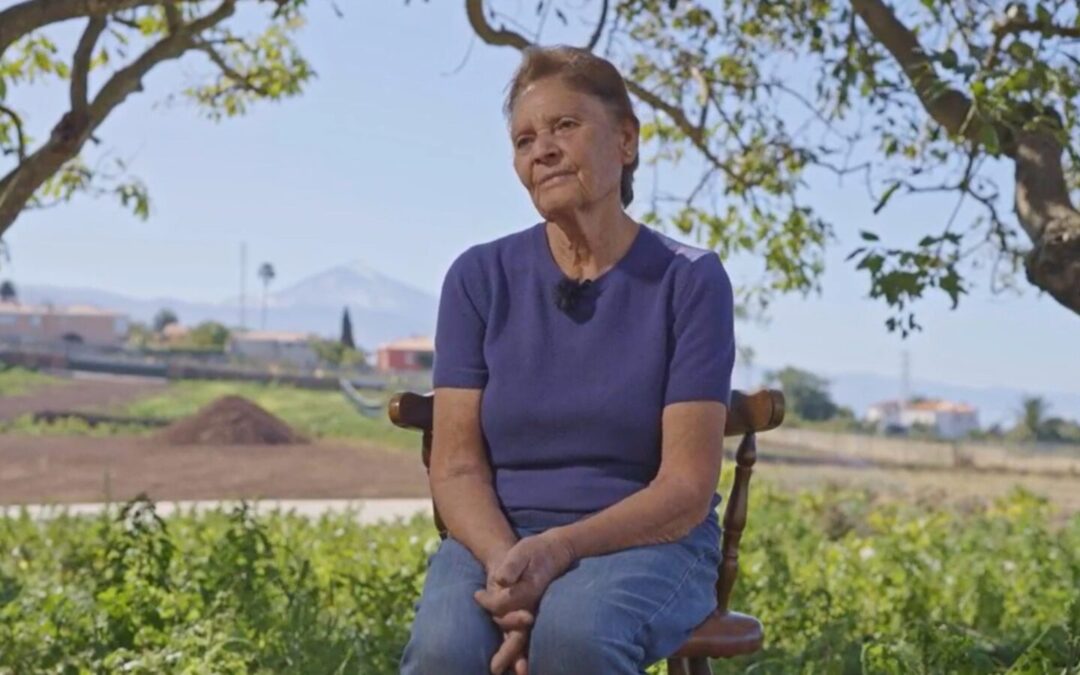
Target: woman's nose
<point>545,148</point>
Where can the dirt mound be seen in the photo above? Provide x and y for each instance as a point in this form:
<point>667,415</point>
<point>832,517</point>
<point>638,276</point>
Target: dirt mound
<point>230,420</point>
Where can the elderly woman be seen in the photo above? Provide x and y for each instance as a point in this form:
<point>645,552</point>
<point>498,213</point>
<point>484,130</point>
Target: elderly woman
<point>582,376</point>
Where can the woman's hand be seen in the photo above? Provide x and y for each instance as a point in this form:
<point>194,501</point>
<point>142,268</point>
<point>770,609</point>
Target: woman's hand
<point>515,627</point>
<point>515,587</point>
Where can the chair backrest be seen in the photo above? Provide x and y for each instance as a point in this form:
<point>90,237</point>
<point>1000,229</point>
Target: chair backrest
<point>748,415</point>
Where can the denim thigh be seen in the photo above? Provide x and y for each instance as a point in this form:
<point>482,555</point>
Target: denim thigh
<point>618,613</point>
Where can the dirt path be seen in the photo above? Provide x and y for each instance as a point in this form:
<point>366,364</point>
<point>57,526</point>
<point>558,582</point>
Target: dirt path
<point>65,469</point>
<point>75,469</point>
<point>79,393</point>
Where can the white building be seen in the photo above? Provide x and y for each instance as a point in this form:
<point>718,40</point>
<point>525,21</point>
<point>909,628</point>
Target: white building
<point>274,347</point>
<point>948,419</point>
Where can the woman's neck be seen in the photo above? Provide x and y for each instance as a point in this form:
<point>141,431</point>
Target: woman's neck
<point>587,246</point>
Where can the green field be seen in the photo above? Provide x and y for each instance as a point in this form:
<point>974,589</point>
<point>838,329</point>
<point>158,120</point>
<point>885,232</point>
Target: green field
<point>15,381</point>
<point>844,583</point>
<point>316,414</point>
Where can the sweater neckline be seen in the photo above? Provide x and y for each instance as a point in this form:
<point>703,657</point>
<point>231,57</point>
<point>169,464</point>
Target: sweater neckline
<point>555,274</point>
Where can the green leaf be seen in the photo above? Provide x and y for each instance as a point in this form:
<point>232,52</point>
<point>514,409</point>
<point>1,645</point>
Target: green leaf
<point>989,139</point>
<point>871,262</point>
<point>885,197</point>
<point>868,236</point>
<point>1021,51</point>
<point>949,59</point>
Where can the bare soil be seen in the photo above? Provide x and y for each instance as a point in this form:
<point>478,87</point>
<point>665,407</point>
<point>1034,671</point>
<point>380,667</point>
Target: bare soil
<point>230,420</point>
<point>81,469</point>
<point>69,469</point>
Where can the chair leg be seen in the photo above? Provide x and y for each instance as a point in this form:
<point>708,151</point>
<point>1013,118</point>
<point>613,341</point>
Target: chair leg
<point>694,666</point>
<point>700,666</point>
<point>678,667</point>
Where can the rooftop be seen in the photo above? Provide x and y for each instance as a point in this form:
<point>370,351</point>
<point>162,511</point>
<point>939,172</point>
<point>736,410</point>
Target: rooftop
<point>413,343</point>
<point>73,310</point>
<point>935,405</point>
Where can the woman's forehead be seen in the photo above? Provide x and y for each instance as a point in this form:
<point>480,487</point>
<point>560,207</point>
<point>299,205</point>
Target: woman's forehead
<point>547,103</point>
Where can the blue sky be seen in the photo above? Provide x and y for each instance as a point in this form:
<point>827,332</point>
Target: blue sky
<point>393,159</point>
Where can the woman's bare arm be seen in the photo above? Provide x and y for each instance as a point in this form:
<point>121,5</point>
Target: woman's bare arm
<point>674,502</point>
<point>461,479</point>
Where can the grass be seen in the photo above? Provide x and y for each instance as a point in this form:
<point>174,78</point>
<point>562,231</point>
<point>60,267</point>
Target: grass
<point>15,381</point>
<point>26,426</point>
<point>316,414</point>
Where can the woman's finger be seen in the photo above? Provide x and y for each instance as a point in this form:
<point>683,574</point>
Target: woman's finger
<point>521,667</point>
<point>503,600</point>
<point>516,620</point>
<point>511,568</point>
<point>507,655</point>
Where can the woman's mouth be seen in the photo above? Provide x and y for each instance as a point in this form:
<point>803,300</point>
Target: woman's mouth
<point>556,177</point>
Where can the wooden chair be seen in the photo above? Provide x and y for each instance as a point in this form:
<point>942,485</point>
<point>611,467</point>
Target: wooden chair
<point>725,633</point>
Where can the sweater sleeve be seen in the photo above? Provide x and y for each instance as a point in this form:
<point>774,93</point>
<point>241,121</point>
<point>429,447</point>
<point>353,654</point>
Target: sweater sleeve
<point>704,335</point>
<point>460,327</point>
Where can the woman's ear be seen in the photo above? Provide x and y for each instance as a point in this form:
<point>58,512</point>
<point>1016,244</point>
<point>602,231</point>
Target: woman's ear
<point>630,134</point>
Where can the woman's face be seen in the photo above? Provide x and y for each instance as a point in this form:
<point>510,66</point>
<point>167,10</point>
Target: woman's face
<point>569,150</point>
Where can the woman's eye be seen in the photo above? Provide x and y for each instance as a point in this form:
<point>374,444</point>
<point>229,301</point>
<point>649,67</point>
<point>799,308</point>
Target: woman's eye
<point>522,142</point>
<point>566,124</point>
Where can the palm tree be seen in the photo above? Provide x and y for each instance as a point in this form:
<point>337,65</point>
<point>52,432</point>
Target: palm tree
<point>266,275</point>
<point>7,292</point>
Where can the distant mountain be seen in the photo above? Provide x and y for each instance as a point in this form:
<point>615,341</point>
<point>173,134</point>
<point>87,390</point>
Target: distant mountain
<point>381,307</point>
<point>859,391</point>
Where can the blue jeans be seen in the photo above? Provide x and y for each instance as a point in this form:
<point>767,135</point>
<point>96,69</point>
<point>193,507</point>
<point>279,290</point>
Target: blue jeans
<point>613,614</point>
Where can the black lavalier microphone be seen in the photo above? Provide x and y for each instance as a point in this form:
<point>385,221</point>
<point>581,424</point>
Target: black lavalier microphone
<point>568,292</point>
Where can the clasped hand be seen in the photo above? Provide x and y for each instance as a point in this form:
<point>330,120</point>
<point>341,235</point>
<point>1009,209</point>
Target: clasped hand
<point>514,588</point>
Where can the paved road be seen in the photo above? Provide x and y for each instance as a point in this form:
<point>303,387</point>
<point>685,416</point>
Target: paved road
<point>368,511</point>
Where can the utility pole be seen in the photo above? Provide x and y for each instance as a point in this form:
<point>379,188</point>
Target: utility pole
<point>905,377</point>
<point>243,281</point>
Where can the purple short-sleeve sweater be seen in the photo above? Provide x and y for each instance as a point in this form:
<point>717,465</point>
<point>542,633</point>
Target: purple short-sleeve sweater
<point>572,399</point>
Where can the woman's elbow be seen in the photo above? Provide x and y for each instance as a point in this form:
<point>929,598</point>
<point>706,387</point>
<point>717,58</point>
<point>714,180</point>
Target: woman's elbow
<point>693,502</point>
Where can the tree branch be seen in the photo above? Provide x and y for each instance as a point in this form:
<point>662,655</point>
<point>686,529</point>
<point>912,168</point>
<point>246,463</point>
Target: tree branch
<point>229,71</point>
<point>18,130</point>
<point>172,17</point>
<point>947,106</point>
<point>1043,205</point>
<point>30,15</point>
<point>1016,22</point>
<point>498,37</point>
<point>129,79</point>
<point>599,26</point>
<point>74,127</point>
<point>80,65</point>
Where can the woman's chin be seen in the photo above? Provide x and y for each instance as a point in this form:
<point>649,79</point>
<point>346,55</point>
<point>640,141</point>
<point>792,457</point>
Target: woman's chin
<point>553,206</point>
